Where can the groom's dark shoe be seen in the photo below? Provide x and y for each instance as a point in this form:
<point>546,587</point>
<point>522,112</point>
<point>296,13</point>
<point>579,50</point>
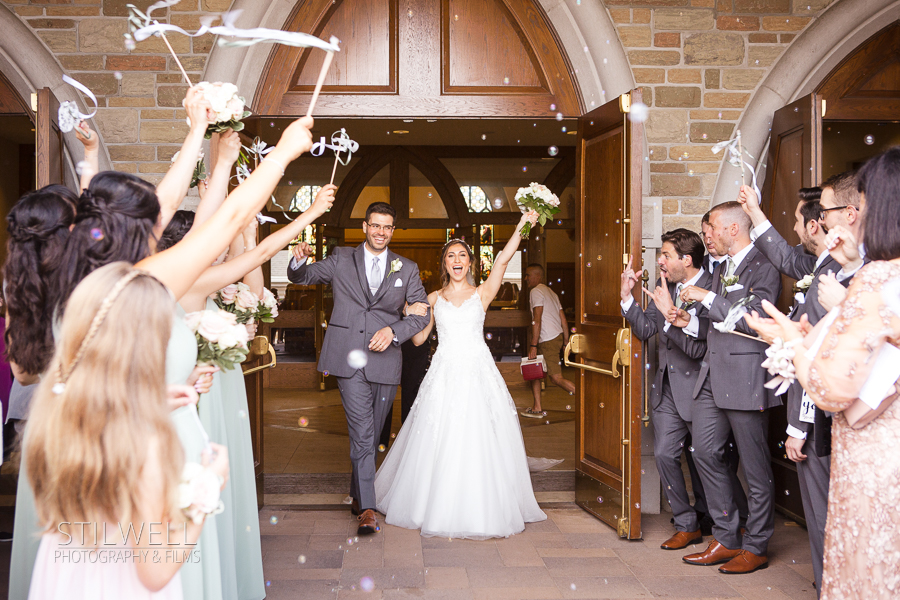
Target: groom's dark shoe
<point>354,508</point>
<point>367,522</point>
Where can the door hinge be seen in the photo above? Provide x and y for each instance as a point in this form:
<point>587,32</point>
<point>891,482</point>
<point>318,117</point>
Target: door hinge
<point>625,103</point>
<point>34,102</point>
<point>622,527</point>
<point>625,258</point>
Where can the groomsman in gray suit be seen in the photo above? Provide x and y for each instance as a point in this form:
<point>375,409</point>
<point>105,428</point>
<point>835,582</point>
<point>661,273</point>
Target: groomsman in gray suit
<point>371,284</point>
<point>809,429</point>
<point>672,394</point>
<point>712,259</point>
<point>732,371</point>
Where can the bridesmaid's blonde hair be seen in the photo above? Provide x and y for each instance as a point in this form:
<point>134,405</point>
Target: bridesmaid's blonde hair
<point>102,401</point>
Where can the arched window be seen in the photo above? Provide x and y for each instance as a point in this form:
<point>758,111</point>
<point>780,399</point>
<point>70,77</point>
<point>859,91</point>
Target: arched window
<point>476,199</point>
<point>303,198</point>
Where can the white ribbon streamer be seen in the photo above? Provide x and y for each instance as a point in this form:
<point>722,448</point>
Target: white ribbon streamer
<point>340,143</point>
<point>69,116</point>
<point>734,157</point>
<point>264,219</point>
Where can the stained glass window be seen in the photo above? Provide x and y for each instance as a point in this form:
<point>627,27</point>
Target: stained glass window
<point>476,199</point>
<point>304,197</point>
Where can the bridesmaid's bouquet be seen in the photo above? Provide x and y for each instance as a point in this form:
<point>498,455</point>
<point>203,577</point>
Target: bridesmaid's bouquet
<point>267,309</point>
<point>225,102</point>
<point>239,301</point>
<point>221,340</point>
<point>540,199</point>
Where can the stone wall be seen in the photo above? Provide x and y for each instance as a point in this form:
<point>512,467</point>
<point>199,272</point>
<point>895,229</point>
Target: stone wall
<point>699,62</point>
<point>140,118</point>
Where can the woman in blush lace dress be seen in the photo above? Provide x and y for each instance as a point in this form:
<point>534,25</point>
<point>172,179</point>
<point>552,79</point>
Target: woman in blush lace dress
<point>862,534</point>
<point>458,467</point>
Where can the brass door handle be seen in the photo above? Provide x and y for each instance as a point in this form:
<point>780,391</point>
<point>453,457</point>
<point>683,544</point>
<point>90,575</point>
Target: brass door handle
<point>622,355</point>
<point>259,346</point>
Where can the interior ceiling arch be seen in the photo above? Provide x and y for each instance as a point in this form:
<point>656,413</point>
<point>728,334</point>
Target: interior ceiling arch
<point>426,58</point>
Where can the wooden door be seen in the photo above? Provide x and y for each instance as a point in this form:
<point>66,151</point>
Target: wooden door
<point>327,238</point>
<point>794,161</point>
<point>260,359</point>
<point>48,139</point>
<point>608,478</point>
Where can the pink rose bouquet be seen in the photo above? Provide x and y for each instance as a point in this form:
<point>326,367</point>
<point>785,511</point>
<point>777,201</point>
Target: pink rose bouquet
<point>238,300</point>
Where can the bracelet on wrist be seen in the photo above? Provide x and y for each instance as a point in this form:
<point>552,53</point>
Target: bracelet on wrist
<point>277,163</point>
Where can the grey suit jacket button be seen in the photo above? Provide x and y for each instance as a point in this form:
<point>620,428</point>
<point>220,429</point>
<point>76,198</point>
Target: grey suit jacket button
<point>360,330</point>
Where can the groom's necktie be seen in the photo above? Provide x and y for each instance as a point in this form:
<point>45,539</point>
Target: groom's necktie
<point>375,276</point>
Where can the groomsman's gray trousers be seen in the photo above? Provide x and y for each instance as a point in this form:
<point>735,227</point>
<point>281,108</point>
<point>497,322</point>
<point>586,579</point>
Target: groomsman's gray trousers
<point>366,405</point>
<point>723,490</point>
<point>815,476</point>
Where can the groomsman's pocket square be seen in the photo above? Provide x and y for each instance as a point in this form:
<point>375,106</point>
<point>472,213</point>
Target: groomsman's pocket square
<point>398,283</point>
<point>734,288</point>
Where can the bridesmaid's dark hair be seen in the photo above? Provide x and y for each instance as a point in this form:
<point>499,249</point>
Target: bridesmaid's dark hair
<point>178,227</point>
<point>114,222</point>
<point>38,227</point>
<point>879,180</point>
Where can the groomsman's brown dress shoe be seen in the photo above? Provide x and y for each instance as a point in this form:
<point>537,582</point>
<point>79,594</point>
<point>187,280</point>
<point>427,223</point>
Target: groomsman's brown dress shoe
<point>714,554</point>
<point>367,522</point>
<point>745,562</point>
<point>681,540</point>
<point>354,508</point>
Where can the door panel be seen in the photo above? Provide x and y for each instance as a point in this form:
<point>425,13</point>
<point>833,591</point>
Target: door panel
<point>609,175</point>
<point>48,139</point>
<point>794,161</point>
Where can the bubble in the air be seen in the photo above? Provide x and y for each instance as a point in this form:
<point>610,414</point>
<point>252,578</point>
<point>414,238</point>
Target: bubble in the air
<point>869,140</point>
<point>325,373</point>
<point>524,169</point>
<point>97,234</point>
<point>82,166</point>
<point>506,81</point>
<point>357,359</point>
<point>273,520</point>
<point>559,116</point>
<point>600,499</point>
<point>301,559</point>
<point>638,113</point>
<point>552,107</point>
<point>303,421</point>
<point>787,493</point>
<point>242,414</point>
<point>483,136</point>
<point>552,150</point>
<point>367,584</point>
<point>498,203</point>
<point>381,447</point>
<point>572,586</point>
<point>489,336</point>
<point>568,407</point>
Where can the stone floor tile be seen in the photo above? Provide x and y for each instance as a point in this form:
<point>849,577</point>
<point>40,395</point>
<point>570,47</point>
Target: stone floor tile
<point>518,552</point>
<point>545,540</point>
<point>285,542</point>
<point>515,593</point>
<point>591,540</point>
<point>689,587</point>
<point>446,578</point>
<point>282,589</point>
<point>318,559</point>
<point>364,556</point>
<point>417,594</point>
<point>326,542</point>
<point>597,567</point>
<point>486,556</point>
<point>777,576</point>
<point>601,587</point>
<point>576,552</point>
<point>503,577</point>
<point>385,578</point>
<point>331,526</point>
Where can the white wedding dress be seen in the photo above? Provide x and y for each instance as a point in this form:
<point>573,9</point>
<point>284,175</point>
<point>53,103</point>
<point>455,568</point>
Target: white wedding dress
<point>458,467</point>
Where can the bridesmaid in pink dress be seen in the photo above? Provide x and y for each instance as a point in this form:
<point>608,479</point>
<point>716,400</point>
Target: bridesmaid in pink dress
<point>862,534</point>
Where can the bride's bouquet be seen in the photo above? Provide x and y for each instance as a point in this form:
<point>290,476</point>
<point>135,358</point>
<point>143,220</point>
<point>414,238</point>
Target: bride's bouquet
<point>238,300</point>
<point>540,199</point>
<point>225,102</point>
<point>267,308</point>
<point>221,340</point>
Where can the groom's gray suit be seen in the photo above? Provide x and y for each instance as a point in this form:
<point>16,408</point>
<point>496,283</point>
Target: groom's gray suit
<point>366,393</point>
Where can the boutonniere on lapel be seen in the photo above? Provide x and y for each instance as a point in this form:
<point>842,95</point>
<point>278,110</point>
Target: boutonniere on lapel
<point>800,288</point>
<point>730,284</point>
<point>396,265</point>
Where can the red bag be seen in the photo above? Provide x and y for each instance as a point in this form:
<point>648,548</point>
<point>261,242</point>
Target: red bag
<point>534,369</point>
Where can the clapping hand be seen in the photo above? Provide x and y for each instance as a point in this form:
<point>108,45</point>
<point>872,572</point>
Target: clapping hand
<point>831,292</point>
<point>778,326</point>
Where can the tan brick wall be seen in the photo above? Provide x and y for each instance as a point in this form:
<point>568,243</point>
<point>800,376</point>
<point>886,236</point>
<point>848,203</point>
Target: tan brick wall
<point>699,63</point>
<point>140,117</point>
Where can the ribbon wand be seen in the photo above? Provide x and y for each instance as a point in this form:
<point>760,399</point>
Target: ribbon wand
<point>175,56</point>
<point>334,169</point>
<point>325,66</point>
<point>741,152</point>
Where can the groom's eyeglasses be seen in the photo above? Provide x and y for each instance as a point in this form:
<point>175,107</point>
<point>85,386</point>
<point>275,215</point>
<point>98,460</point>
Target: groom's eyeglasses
<point>377,227</point>
<point>825,210</point>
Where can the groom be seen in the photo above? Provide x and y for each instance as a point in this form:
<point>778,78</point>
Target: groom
<point>371,284</point>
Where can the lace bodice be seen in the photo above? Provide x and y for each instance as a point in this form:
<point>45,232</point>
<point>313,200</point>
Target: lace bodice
<point>461,328</point>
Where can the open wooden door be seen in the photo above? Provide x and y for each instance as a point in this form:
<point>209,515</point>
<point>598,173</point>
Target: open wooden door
<point>327,237</point>
<point>794,161</point>
<point>261,357</point>
<point>48,139</point>
<point>609,157</point>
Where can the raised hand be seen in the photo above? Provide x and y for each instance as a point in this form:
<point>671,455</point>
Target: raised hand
<point>297,138</point>
<point>748,200</point>
<point>88,137</point>
<point>199,112</point>
<point>301,251</point>
<point>842,245</point>
<point>229,148</point>
<point>324,199</point>
<point>629,278</point>
<point>830,291</point>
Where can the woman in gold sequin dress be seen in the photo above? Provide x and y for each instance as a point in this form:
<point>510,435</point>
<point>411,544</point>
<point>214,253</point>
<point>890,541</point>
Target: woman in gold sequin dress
<point>862,534</point>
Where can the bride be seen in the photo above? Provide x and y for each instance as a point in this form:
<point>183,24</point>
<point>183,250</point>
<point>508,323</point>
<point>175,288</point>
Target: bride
<point>458,467</point>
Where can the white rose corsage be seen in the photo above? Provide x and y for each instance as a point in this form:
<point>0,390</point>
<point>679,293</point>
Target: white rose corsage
<point>804,283</point>
<point>780,363</point>
<point>198,492</point>
<point>396,265</point>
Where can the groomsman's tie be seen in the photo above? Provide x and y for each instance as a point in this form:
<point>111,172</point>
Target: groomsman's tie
<point>729,267</point>
<point>678,301</point>
<point>375,276</point>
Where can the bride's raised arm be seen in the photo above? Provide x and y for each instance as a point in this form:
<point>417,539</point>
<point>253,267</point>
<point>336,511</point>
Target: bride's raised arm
<point>488,290</point>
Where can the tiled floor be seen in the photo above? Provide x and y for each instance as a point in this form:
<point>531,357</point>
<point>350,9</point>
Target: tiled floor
<point>312,555</point>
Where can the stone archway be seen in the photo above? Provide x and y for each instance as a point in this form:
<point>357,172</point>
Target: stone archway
<point>588,40</point>
<point>804,65</point>
<point>29,66</point>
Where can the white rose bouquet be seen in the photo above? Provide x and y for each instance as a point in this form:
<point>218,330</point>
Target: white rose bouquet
<point>238,300</point>
<point>540,199</point>
<point>267,309</point>
<point>199,492</point>
<point>225,102</point>
<point>221,340</point>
